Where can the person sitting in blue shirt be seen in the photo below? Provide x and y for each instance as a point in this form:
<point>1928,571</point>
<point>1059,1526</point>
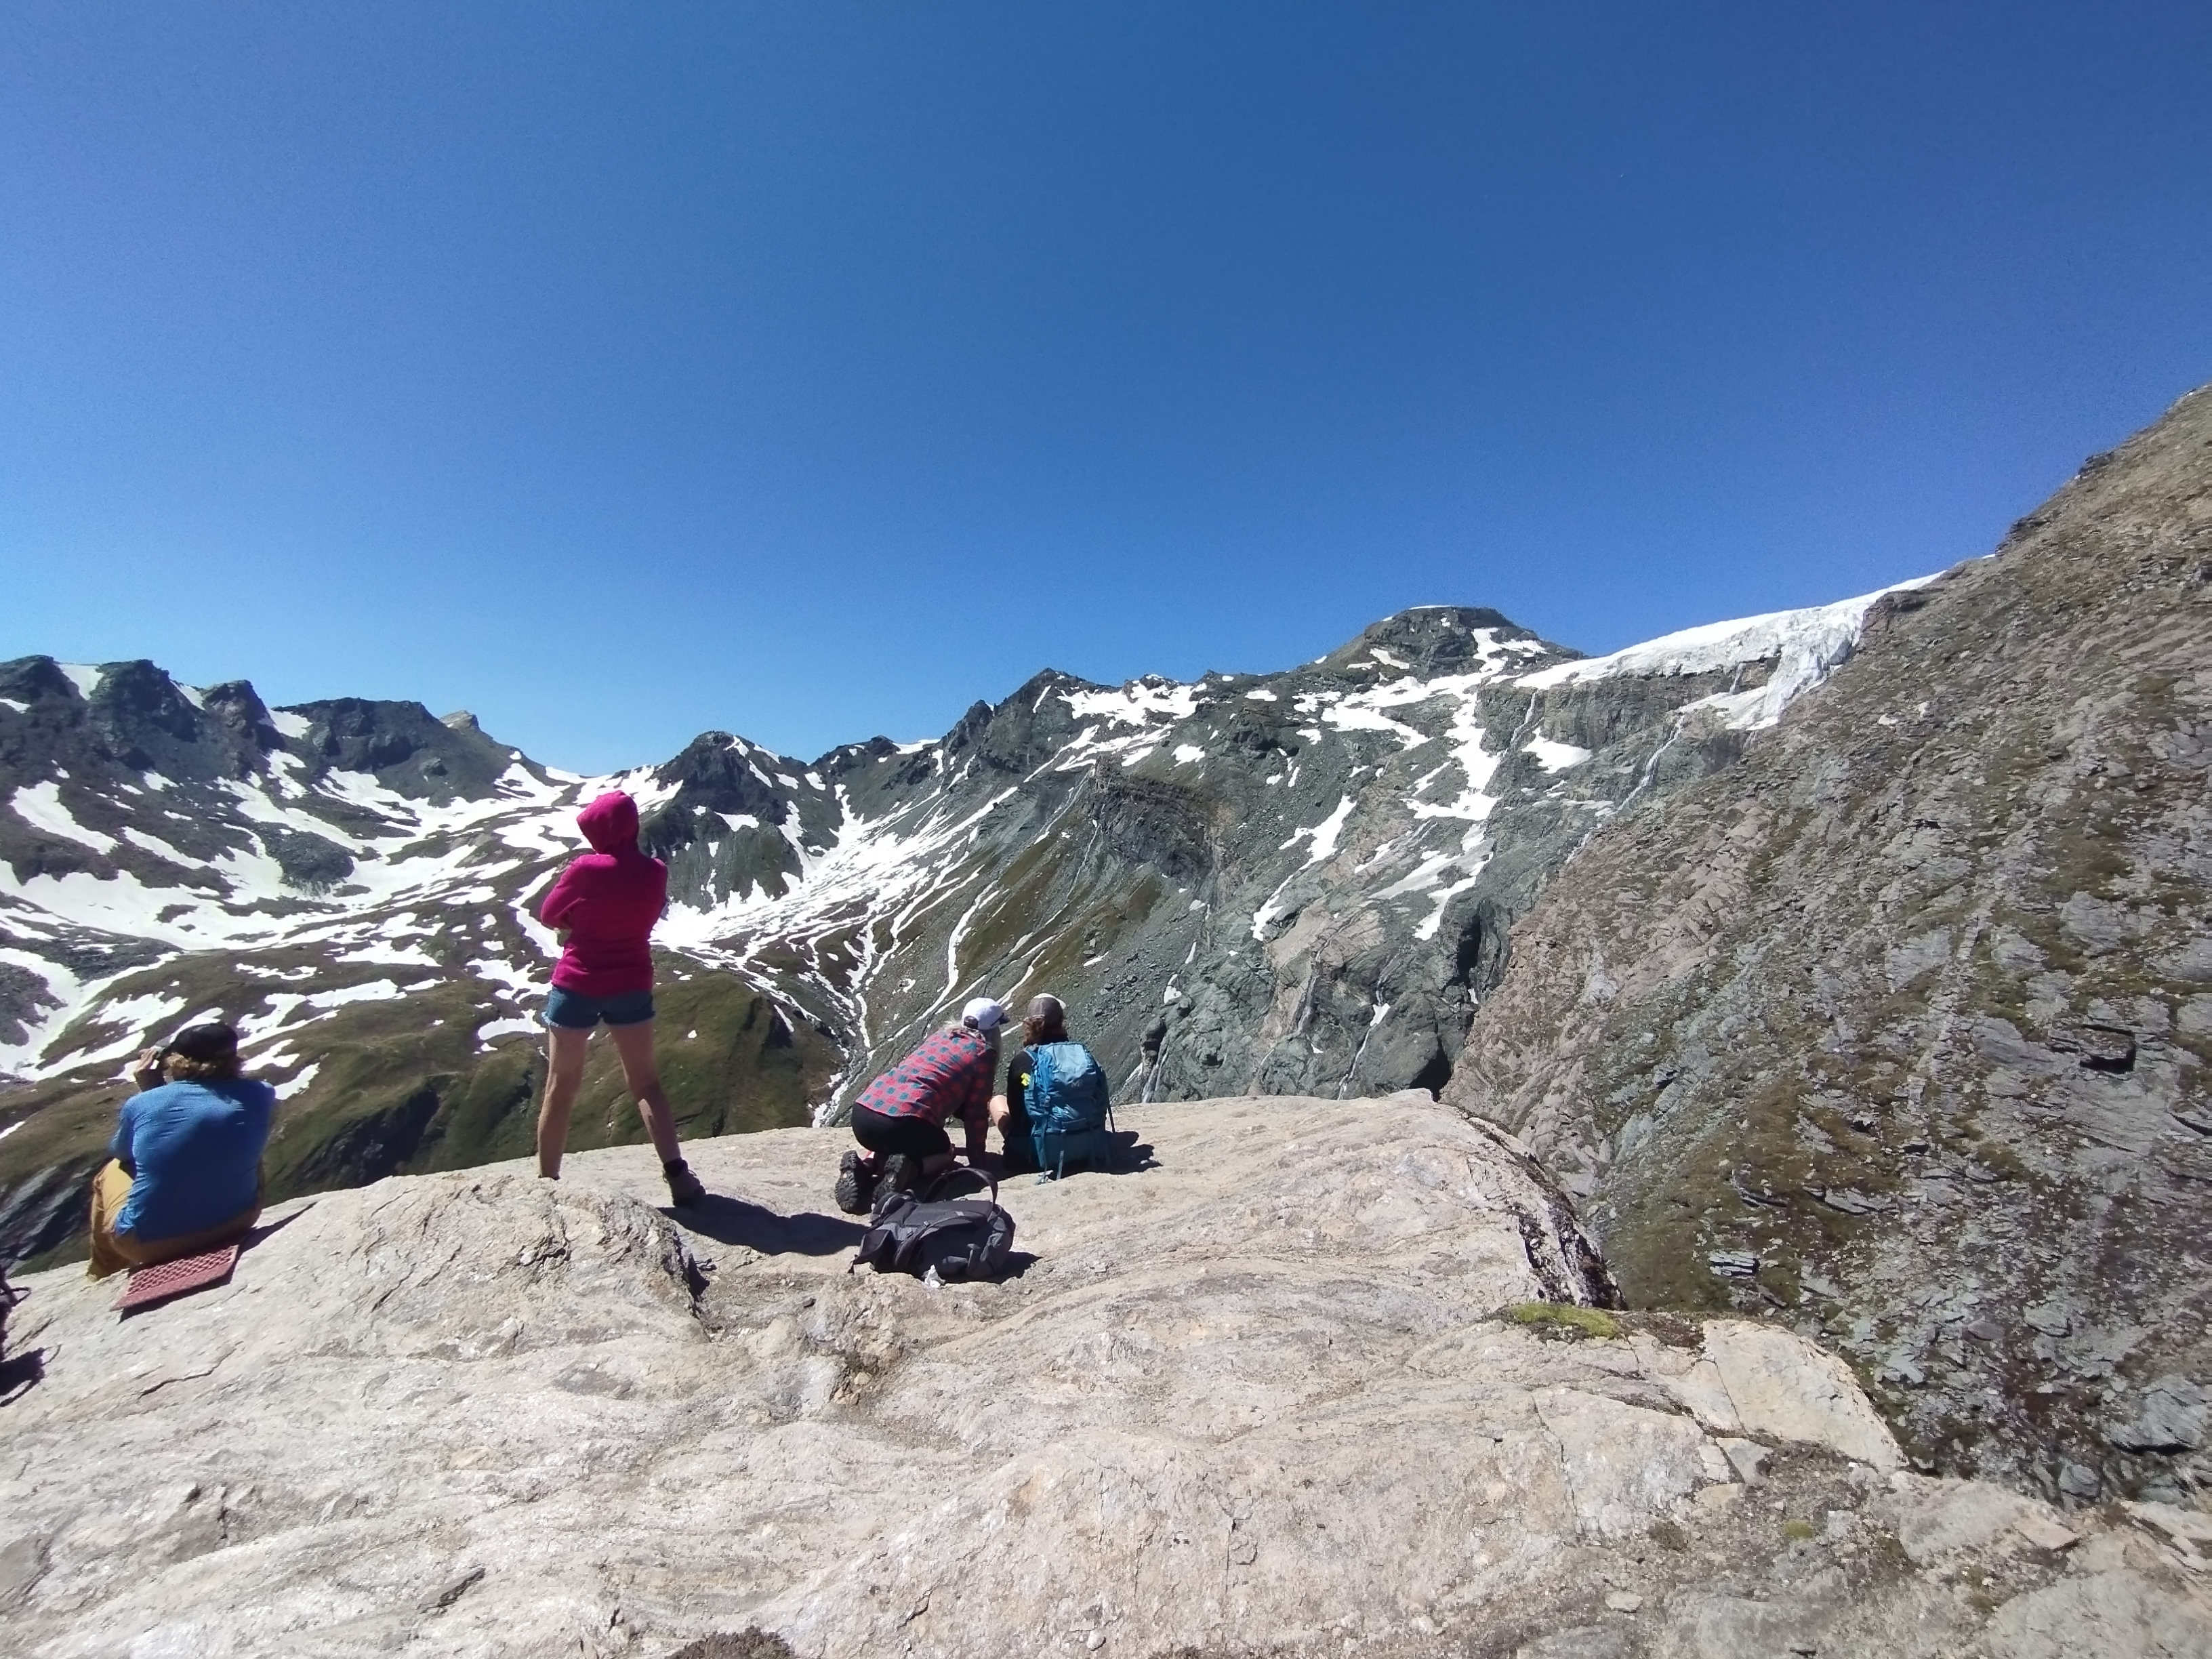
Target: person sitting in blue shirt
<point>184,1169</point>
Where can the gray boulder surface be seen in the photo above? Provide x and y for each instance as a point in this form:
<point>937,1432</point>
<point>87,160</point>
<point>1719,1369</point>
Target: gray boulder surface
<point>1898,1030</point>
<point>1311,1376</point>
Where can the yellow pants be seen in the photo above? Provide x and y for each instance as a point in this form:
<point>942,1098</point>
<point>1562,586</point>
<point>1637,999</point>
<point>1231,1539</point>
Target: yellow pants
<point>112,1251</point>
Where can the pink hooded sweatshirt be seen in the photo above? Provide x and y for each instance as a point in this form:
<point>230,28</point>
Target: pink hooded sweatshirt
<point>609,900</point>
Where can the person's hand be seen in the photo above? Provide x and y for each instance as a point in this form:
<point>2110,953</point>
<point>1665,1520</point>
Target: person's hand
<point>146,1070</point>
<point>999,1110</point>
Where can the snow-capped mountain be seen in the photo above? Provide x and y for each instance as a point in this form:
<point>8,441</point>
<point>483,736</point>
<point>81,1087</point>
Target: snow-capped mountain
<point>1292,882</point>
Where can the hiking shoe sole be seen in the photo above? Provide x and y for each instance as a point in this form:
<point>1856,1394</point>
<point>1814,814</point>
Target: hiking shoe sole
<point>855,1183</point>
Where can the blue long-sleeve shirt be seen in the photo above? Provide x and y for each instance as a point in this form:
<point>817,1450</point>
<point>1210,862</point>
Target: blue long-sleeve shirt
<point>194,1154</point>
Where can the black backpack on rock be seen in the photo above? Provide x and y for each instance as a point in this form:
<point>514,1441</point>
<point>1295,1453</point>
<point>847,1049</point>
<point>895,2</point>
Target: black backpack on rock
<point>960,1237</point>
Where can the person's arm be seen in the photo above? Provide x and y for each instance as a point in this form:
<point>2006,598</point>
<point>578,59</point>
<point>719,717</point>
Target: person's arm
<point>1001,1103</point>
<point>265,1106</point>
<point>146,1070</point>
<point>553,909</point>
<point>119,1147</point>
<point>975,1110</point>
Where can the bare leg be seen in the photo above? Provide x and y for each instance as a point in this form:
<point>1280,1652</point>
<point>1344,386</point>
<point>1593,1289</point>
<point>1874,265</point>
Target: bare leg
<point>564,1076</point>
<point>633,1044</point>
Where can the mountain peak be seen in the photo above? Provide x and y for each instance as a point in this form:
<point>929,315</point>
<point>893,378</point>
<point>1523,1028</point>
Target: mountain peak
<point>1430,639</point>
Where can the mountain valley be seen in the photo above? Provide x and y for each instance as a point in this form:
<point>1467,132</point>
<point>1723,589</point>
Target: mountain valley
<point>1291,882</point>
<point>1847,966</point>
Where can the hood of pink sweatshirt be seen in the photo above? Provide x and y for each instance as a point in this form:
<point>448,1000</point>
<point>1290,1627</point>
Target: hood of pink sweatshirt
<point>609,823</point>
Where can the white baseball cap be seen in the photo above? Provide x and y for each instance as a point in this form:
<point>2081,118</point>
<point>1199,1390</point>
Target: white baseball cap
<point>983,1014</point>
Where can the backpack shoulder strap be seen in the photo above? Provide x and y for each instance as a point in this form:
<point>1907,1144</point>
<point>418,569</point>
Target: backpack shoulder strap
<point>944,1176</point>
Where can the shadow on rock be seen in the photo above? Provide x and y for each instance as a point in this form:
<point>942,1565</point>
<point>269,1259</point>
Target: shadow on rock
<point>733,1221</point>
<point>271,1228</point>
<point>1130,1156</point>
<point>20,1373</point>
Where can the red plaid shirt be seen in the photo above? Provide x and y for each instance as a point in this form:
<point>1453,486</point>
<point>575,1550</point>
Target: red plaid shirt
<point>950,1073</point>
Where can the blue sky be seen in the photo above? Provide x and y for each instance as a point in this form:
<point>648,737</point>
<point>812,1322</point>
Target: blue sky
<point>812,370</point>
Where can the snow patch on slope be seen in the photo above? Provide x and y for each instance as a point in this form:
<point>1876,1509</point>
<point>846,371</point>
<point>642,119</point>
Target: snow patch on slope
<point>40,806</point>
<point>1808,645</point>
<point>1140,702</point>
<point>1323,835</point>
<point>1555,757</point>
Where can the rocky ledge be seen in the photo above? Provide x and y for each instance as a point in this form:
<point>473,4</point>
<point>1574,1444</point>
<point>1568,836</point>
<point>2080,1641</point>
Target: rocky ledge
<point>1311,1376</point>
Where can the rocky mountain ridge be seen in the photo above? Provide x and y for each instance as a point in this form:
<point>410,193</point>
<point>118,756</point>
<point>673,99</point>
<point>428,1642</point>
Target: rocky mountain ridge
<point>1292,882</point>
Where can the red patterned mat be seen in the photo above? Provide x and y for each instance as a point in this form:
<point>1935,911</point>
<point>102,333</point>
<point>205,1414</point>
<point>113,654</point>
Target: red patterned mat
<point>167,1278</point>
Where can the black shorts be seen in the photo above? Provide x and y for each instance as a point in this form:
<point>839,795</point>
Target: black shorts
<point>917,1137</point>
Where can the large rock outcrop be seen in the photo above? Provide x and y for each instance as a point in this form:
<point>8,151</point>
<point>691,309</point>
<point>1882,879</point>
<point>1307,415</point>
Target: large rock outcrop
<point>1902,1027</point>
<point>1274,1390</point>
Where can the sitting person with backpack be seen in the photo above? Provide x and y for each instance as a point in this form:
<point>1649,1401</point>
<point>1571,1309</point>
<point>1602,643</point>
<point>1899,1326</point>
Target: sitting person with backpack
<point>900,1118</point>
<point>185,1171</point>
<point>1055,1109</point>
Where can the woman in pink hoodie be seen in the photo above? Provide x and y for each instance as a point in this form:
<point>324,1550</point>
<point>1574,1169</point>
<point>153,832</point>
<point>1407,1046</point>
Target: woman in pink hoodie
<point>604,905</point>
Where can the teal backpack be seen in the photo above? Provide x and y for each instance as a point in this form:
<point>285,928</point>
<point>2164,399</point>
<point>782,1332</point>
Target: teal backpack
<point>1069,1114</point>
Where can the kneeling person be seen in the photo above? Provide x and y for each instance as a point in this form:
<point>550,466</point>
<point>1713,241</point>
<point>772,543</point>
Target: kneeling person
<point>184,1169</point>
<point>900,1117</point>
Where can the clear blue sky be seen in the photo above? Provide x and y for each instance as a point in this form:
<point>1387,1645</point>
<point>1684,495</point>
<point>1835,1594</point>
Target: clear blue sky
<point>810,370</point>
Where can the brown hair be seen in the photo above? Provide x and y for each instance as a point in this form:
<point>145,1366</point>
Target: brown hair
<point>202,1053</point>
<point>180,1069</point>
<point>1046,1021</point>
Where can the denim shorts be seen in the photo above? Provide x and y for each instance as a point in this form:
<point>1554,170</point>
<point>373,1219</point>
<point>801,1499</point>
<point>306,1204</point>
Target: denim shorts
<point>572,1010</point>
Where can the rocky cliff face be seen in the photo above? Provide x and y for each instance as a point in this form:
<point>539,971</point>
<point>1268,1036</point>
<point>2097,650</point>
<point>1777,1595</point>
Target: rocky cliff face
<point>1898,1028</point>
<point>1288,1388</point>
<point>1295,882</point>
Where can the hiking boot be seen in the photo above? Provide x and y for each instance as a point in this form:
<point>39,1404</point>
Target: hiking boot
<point>902,1174</point>
<point>856,1181</point>
<point>684,1189</point>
